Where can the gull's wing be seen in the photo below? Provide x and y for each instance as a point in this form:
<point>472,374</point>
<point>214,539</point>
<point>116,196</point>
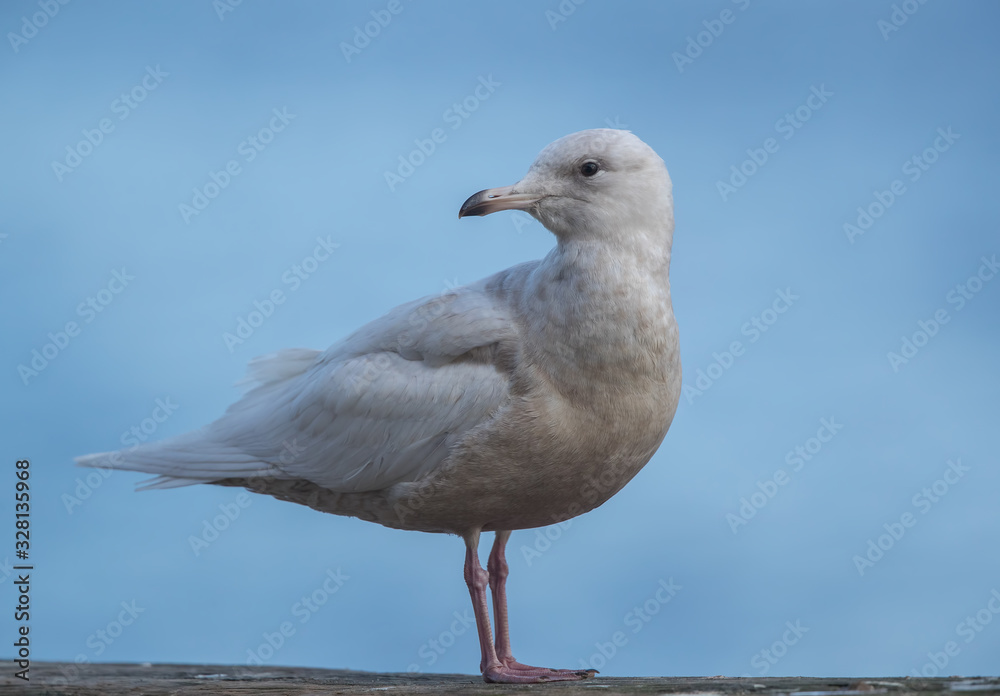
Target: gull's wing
<point>380,407</point>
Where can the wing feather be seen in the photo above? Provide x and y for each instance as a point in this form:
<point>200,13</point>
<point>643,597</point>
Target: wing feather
<point>380,407</point>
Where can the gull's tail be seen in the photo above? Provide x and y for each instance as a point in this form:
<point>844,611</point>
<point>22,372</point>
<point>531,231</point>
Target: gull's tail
<point>209,454</point>
<point>182,461</point>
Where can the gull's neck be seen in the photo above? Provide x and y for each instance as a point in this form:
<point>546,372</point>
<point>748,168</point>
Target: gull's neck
<point>610,255</point>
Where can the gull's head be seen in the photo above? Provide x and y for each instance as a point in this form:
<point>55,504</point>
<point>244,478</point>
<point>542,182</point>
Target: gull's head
<point>595,183</point>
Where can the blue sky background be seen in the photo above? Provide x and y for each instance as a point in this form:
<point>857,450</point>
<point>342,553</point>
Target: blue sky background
<point>323,175</point>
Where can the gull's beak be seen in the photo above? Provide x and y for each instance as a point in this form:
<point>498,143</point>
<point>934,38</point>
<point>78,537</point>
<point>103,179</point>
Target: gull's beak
<point>492,200</point>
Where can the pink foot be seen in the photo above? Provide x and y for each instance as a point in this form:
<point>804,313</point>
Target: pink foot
<point>498,665</point>
<point>513,672</point>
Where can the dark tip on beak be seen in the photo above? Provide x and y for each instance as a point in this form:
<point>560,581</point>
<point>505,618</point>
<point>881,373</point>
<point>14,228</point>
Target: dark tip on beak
<point>476,204</point>
<point>491,200</point>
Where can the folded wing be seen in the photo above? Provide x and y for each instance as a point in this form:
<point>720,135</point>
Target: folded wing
<point>380,407</point>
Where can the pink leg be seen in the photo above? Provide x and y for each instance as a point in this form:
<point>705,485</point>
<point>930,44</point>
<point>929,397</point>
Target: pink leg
<point>498,571</point>
<point>477,580</point>
<point>498,664</point>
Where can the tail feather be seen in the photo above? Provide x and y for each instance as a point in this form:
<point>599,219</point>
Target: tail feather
<point>163,482</point>
<point>278,366</point>
<point>208,454</point>
<point>182,461</point>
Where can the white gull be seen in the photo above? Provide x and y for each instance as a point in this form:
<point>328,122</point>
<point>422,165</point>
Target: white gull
<point>519,401</point>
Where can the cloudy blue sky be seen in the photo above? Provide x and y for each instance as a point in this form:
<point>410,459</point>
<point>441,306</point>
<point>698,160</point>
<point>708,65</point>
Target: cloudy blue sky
<point>826,500</point>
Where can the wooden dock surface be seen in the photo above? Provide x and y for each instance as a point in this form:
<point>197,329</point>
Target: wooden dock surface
<point>55,679</point>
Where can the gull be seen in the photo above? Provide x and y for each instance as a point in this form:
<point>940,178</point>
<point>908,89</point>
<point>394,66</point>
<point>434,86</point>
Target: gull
<point>519,401</point>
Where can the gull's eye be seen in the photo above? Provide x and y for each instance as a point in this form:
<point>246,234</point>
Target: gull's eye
<point>589,168</point>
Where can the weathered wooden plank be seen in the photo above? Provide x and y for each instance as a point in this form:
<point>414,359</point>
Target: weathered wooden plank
<point>56,679</point>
